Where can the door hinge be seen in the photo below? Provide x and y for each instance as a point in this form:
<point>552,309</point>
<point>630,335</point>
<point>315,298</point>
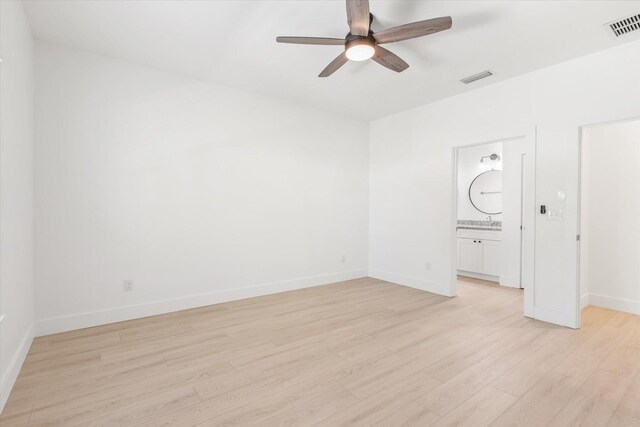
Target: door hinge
<point>578,237</point>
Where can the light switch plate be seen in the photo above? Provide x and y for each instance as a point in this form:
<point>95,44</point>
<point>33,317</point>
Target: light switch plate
<point>554,214</point>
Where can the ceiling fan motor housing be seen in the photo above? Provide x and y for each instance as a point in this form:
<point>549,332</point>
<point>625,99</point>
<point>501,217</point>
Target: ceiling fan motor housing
<point>352,41</point>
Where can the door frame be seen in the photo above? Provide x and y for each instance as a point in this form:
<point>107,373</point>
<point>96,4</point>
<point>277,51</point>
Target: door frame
<point>528,236</point>
<point>581,130</point>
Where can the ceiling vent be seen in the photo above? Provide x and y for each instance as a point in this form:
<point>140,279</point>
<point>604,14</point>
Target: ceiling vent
<point>625,26</point>
<point>476,77</point>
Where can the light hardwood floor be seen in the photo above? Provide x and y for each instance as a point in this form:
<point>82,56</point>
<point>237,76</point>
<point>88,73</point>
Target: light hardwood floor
<point>362,352</point>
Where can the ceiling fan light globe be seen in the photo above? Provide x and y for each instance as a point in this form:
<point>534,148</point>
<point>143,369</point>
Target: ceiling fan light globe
<point>360,52</point>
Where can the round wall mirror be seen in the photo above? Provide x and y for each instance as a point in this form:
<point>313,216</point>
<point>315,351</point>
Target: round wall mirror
<point>485,192</point>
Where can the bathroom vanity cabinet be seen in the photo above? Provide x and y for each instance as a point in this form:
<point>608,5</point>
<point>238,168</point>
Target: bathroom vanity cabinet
<point>479,253</point>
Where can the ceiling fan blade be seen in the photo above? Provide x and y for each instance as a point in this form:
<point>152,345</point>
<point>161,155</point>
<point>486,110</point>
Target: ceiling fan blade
<point>358,17</point>
<point>413,30</point>
<point>310,40</point>
<point>389,59</point>
<point>334,65</point>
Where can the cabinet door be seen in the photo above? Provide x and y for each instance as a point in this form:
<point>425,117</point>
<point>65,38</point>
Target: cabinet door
<point>491,257</point>
<point>469,255</point>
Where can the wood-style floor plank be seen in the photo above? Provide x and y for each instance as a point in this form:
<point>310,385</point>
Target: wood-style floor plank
<point>539,405</point>
<point>479,410</point>
<point>362,352</point>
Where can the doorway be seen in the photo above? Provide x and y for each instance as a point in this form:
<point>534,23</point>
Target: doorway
<point>493,214</point>
<point>609,208</point>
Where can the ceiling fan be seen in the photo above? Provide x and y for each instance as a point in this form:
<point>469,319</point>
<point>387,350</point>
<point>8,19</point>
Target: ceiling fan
<point>361,43</point>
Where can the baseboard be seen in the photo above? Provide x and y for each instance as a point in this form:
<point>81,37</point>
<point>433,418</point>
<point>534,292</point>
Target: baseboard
<point>9,378</point>
<point>584,301</point>
<point>510,282</point>
<point>613,303</point>
<point>412,282</point>
<point>480,276</point>
<point>118,314</point>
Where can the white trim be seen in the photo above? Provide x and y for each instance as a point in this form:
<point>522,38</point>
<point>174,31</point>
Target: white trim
<point>480,276</point>
<point>412,282</point>
<point>613,303</point>
<point>510,282</point>
<point>610,122</point>
<point>453,226</point>
<point>118,314</point>
<point>13,369</point>
<point>528,236</point>
<point>584,301</point>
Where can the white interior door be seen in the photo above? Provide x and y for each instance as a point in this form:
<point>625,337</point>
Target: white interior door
<point>528,227</point>
<point>513,153</point>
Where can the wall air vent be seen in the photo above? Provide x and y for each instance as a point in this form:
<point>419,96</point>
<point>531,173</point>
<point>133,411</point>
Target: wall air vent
<point>476,77</point>
<point>625,26</point>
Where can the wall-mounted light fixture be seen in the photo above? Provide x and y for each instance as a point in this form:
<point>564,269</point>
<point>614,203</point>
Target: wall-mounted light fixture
<point>492,157</point>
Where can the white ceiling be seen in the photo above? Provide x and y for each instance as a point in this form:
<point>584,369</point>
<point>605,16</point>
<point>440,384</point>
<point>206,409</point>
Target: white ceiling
<point>233,43</point>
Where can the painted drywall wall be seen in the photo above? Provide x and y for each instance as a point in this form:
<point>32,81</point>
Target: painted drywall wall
<point>411,167</point>
<point>610,208</point>
<point>16,193</point>
<point>469,167</point>
<point>197,193</point>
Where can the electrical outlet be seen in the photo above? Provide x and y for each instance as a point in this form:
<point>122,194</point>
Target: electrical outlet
<point>427,266</point>
<point>344,259</point>
<point>128,286</point>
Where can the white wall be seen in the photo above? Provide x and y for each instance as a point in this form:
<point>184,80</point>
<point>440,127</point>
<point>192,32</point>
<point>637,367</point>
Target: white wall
<point>610,213</point>
<point>410,175</point>
<point>196,192</point>
<point>16,193</point>
<point>469,167</point>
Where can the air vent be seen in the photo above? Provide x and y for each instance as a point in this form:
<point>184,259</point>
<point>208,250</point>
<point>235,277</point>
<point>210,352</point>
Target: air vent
<point>626,25</point>
<point>476,77</point>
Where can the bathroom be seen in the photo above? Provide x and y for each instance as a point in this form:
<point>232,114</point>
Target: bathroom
<point>489,222</point>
